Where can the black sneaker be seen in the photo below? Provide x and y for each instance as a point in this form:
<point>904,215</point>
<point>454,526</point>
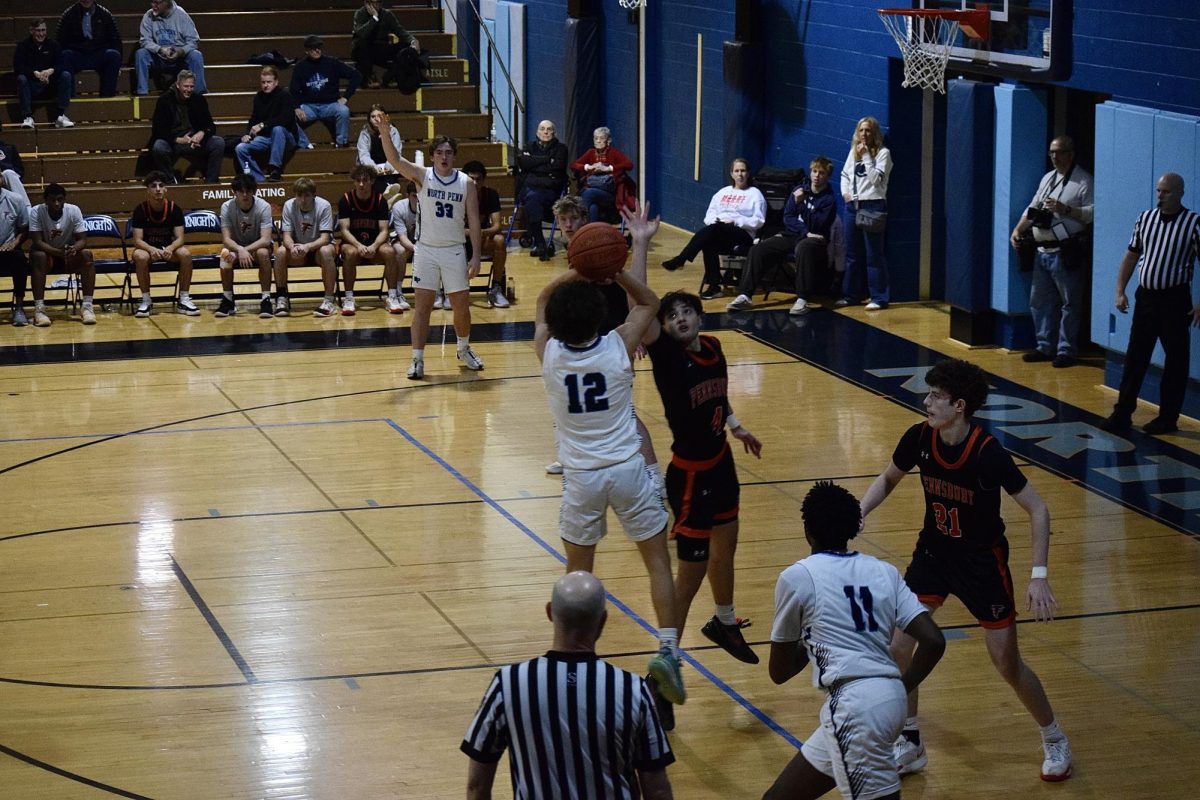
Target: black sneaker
<point>673,264</point>
<point>666,710</point>
<point>1160,425</point>
<point>1116,423</point>
<point>226,308</point>
<point>1035,356</point>
<point>711,292</point>
<point>265,309</point>
<point>729,638</point>
<point>274,175</point>
<point>1062,360</point>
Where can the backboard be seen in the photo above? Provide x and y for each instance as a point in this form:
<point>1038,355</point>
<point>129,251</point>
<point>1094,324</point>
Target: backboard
<point>1028,39</point>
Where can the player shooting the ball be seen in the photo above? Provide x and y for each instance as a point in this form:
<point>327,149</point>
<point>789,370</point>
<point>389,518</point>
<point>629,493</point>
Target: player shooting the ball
<point>589,386</point>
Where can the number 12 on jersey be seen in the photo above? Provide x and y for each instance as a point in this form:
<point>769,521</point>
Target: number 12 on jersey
<point>594,389</point>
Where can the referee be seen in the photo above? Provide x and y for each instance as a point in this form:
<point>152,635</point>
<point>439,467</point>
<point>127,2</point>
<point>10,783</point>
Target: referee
<point>576,726</point>
<point>1166,242</point>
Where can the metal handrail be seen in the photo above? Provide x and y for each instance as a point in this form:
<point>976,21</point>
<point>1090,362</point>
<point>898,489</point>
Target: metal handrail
<point>518,106</point>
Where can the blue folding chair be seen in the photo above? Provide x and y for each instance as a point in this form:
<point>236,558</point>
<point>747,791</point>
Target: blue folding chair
<point>104,230</point>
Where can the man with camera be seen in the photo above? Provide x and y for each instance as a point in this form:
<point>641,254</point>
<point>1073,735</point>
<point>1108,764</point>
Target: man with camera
<point>1057,220</point>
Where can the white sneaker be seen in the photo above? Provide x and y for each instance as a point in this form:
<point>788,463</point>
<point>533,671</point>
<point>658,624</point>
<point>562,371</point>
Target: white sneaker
<point>87,315</point>
<point>1057,766</point>
<point>326,309</point>
<point>27,122</point>
<point>348,307</point>
<point>872,306</point>
<point>469,359</point>
<point>740,303</point>
<point>404,306</point>
<point>440,301</point>
<point>393,305</point>
<point>417,371</point>
<point>909,757</point>
<point>144,310</point>
<point>799,307</point>
<point>554,468</point>
<point>40,320</point>
<point>496,297</point>
<point>283,306</point>
<point>187,308</point>
<point>63,121</point>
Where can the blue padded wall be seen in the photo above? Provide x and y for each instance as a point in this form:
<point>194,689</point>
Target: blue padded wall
<point>1022,136</point>
<point>970,137</point>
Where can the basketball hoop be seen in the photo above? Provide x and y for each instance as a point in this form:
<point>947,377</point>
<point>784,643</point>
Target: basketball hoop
<point>631,5</point>
<point>925,37</point>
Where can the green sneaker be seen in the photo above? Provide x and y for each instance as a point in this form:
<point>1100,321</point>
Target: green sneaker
<point>665,668</point>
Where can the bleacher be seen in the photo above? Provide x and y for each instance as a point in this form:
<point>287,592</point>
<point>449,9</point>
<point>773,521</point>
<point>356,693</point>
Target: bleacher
<point>98,159</point>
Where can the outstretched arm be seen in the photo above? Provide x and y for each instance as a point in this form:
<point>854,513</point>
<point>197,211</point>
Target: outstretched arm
<point>1039,598</point>
<point>394,159</point>
<point>881,488</point>
<point>642,229</point>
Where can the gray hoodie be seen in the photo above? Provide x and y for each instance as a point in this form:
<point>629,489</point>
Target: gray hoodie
<point>172,28</point>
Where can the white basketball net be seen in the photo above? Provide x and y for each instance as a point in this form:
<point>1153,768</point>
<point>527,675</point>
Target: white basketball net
<point>925,44</point>
<point>632,4</point>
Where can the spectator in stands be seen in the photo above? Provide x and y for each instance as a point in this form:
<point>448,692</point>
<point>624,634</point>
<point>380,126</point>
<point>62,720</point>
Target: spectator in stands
<point>735,215</point>
<point>542,168</point>
<point>247,231</point>
<point>307,224</point>
<point>363,217</point>
<point>168,44</point>
<point>372,45</point>
<point>37,63</point>
<point>603,173</point>
<point>59,245</point>
<point>492,238</point>
<point>14,228</point>
<point>12,170</point>
<point>272,128</point>
<point>402,228</point>
<point>90,40</point>
<point>157,225</point>
<point>808,219</point>
<point>316,82</point>
<point>370,151</point>
<point>183,127</point>
<point>864,187</point>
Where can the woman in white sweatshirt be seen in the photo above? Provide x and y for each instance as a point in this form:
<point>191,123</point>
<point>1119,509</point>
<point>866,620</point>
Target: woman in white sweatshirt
<point>864,187</point>
<point>734,216</point>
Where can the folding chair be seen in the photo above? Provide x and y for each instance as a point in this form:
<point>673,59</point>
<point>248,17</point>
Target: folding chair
<point>103,229</point>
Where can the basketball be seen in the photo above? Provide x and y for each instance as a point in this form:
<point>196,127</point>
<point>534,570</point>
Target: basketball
<point>597,251</point>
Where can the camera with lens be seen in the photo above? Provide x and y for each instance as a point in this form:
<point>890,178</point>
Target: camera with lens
<point>1040,217</point>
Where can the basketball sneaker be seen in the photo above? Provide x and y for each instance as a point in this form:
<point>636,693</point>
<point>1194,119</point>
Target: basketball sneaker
<point>144,310</point>
<point>469,359</point>
<point>496,297</point>
<point>349,309</point>
<point>729,638</point>
<point>740,303</point>
<point>440,301</point>
<point>554,468</point>
<point>40,319</point>
<point>226,308</point>
<point>87,314</point>
<point>666,711</point>
<point>326,309</point>
<point>417,371</point>
<point>265,309</point>
<point>664,667</point>
<point>283,306</point>
<point>186,307</point>
<point>1057,766</point>
<point>909,756</point>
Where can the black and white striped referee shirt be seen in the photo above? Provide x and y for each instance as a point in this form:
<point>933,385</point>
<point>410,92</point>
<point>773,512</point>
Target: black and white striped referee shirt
<point>577,727</point>
<point>1168,247</point>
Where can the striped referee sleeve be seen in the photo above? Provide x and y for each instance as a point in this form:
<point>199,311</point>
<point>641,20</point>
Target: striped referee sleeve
<point>487,737</point>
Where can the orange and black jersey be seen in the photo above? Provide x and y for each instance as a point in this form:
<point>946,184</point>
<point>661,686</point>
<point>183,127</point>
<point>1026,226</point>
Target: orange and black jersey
<point>364,215</point>
<point>693,387</point>
<point>962,486</point>
<point>158,227</point>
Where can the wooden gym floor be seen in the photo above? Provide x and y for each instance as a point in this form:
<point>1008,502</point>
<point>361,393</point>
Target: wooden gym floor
<point>248,559</point>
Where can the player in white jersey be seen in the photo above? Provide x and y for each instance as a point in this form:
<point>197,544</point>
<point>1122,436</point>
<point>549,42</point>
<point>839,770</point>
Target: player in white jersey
<point>838,608</point>
<point>446,198</point>
<point>59,245</point>
<point>589,385</point>
<point>307,233</point>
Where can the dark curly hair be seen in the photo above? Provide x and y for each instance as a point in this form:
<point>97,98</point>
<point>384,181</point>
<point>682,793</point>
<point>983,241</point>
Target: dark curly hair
<point>961,380</point>
<point>575,311</point>
<point>831,514</point>
<point>672,299</point>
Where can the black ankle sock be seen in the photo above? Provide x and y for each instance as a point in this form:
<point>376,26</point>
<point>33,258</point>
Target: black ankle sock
<point>913,735</point>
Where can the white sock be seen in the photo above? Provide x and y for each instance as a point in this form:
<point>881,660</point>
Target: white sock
<point>349,295</point>
<point>39,305</point>
<point>464,342</point>
<point>329,299</point>
<point>185,297</point>
<point>266,295</point>
<point>146,298</point>
<point>1052,733</point>
<point>725,615</point>
<point>392,294</point>
<point>669,638</point>
<point>228,295</point>
<point>87,299</point>
<point>418,354</point>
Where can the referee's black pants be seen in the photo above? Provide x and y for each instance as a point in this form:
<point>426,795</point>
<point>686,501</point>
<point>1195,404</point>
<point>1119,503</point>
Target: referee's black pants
<point>1158,315</point>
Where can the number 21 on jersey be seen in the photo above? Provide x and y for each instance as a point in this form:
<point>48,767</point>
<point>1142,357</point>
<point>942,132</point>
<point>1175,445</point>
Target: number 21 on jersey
<point>946,520</point>
<point>595,389</point>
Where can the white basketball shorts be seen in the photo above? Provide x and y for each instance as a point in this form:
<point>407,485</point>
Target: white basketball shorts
<point>440,266</point>
<point>624,487</point>
<point>860,721</point>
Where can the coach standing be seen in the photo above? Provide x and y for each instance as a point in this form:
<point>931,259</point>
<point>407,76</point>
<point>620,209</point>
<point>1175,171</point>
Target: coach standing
<point>1166,241</point>
<point>1059,217</point>
<point>569,717</point>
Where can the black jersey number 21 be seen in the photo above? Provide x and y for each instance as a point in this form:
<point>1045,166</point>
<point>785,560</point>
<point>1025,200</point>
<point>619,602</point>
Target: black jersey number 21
<point>594,389</point>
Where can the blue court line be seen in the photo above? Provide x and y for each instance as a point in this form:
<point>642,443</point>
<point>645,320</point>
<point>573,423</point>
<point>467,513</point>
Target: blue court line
<point>629,612</point>
<point>215,429</point>
<point>211,619</point>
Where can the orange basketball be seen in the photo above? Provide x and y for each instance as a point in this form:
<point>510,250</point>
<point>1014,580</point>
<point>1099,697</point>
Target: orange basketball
<point>597,251</point>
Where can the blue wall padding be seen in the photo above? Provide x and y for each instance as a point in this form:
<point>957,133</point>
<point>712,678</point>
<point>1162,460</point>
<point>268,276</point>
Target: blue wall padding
<point>970,112</point>
<point>467,30</point>
<point>1022,141</point>
<point>745,118</point>
<point>1134,146</point>
<point>583,98</point>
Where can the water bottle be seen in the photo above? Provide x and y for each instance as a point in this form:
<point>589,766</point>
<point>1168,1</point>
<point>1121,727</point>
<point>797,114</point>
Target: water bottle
<point>492,133</point>
<point>419,158</point>
<point>245,167</point>
<point>510,290</point>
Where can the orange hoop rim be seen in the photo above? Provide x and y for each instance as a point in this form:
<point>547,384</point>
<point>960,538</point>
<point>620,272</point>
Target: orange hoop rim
<point>973,22</point>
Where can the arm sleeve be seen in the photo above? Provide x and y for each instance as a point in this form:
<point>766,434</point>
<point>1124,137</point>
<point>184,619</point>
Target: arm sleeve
<point>587,158</point>
<point>905,454</point>
<point>487,735</point>
<point>364,148</point>
<point>710,216</point>
<point>203,121</point>
<point>324,219</point>
<point>160,126</point>
<point>753,214</point>
<point>878,169</point>
<point>820,220</point>
<point>653,750</point>
<point>285,217</point>
<point>791,215</point>
<point>353,79</point>
<point>1087,207</point>
<point>620,162</point>
<point>1135,241</point>
<point>848,174</point>
<point>187,32</point>
<point>146,34</point>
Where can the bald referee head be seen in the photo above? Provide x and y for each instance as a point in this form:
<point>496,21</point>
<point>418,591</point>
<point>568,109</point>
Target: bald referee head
<point>577,610</point>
